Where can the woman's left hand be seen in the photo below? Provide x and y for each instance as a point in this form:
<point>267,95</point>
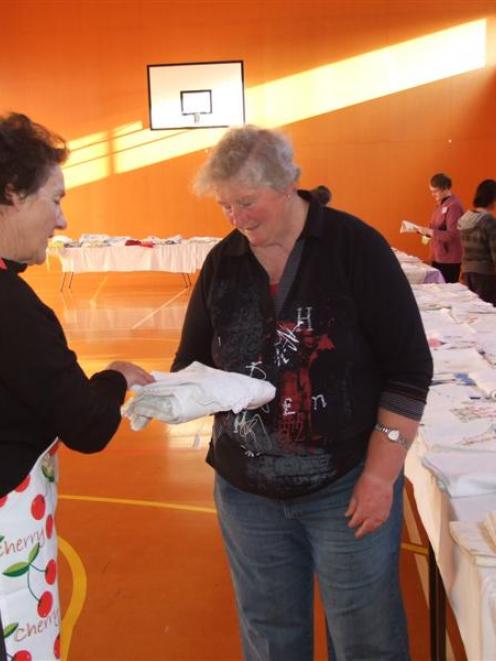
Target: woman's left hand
<point>370,503</point>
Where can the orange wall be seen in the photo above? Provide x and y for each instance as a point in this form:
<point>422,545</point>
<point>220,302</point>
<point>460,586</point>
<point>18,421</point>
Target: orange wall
<point>79,66</point>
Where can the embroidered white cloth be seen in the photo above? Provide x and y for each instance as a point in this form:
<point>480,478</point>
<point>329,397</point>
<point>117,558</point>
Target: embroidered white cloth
<point>463,473</point>
<point>195,392</point>
<point>485,380</point>
<point>457,360</point>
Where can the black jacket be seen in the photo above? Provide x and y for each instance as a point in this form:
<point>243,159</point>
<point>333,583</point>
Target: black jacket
<point>43,391</point>
<point>348,338</point>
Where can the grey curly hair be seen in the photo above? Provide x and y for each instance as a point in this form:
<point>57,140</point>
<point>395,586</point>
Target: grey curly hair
<point>249,155</point>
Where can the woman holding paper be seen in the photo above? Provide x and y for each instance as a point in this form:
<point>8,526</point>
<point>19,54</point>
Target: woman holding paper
<point>44,394</point>
<point>314,301</point>
<point>446,247</point>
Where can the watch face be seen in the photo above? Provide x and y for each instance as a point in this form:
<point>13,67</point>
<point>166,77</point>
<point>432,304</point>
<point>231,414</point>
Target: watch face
<point>393,434</point>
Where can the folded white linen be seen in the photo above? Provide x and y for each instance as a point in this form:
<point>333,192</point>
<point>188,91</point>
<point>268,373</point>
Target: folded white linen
<point>463,473</point>
<point>449,433</point>
<point>473,537</point>
<point>457,360</point>
<point>195,392</point>
<point>485,380</point>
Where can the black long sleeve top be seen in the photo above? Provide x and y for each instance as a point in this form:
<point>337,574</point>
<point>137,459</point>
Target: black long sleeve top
<point>347,340</point>
<point>43,391</point>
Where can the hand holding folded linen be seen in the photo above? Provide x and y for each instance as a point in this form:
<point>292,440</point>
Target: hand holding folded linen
<point>195,392</point>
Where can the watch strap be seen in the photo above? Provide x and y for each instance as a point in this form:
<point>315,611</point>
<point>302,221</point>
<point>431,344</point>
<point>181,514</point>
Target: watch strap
<point>393,435</point>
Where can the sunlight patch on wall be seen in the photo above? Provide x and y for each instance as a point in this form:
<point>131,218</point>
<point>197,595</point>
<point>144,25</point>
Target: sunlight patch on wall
<point>291,99</point>
<point>369,76</point>
<point>147,148</point>
<point>89,160</point>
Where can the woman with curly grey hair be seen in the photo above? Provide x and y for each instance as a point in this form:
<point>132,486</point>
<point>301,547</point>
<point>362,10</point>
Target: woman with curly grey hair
<point>313,300</point>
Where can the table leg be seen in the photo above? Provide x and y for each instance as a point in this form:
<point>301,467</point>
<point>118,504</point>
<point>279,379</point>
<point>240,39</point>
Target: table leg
<point>70,279</point>
<point>437,610</point>
<point>62,283</point>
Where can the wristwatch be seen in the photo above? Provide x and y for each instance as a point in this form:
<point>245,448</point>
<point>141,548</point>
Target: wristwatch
<point>393,435</point>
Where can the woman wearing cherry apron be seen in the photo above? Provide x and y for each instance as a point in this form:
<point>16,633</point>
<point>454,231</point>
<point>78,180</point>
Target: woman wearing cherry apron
<point>44,394</point>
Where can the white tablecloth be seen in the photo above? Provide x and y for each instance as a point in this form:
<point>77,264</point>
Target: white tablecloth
<point>417,271</point>
<point>185,257</point>
<point>465,582</point>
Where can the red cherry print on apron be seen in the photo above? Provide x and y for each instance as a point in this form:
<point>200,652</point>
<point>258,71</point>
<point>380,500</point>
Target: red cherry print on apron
<point>49,526</point>
<point>38,507</point>
<point>28,580</point>
<point>45,601</point>
<point>45,604</point>
<point>51,572</point>
<point>24,484</point>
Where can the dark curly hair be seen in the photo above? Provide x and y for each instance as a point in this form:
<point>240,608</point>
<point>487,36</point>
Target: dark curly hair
<point>27,152</point>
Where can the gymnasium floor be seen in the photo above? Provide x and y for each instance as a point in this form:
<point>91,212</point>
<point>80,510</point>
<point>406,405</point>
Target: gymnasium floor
<point>142,569</point>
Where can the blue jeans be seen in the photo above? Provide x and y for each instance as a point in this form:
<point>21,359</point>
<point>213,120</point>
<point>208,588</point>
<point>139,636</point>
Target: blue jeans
<point>275,547</point>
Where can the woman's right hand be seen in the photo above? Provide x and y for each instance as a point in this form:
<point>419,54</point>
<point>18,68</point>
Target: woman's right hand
<point>134,374</point>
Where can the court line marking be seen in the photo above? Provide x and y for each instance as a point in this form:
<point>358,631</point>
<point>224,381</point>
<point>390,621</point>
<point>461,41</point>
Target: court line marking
<point>98,289</point>
<point>142,503</point>
<point>154,312</point>
<point>78,595</point>
<point>79,574</point>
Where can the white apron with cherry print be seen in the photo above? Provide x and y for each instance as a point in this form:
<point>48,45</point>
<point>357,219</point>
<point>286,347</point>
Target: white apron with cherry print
<point>29,599</point>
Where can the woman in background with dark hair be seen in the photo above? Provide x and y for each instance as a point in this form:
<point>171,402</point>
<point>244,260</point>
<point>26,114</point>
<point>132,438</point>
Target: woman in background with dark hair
<point>478,233</point>
<point>322,194</point>
<point>44,394</point>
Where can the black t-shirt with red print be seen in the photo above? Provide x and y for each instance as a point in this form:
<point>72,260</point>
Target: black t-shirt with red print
<point>348,339</point>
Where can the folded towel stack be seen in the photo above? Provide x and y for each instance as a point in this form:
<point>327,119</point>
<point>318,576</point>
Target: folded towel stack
<point>195,392</point>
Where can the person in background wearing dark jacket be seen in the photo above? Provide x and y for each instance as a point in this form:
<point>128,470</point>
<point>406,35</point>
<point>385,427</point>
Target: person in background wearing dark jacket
<point>478,233</point>
<point>322,194</point>
<point>446,246</point>
<point>44,394</point>
<point>313,300</point>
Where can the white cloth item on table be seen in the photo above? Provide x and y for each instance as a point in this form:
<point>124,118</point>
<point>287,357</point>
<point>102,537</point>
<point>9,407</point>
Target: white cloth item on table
<point>449,433</point>
<point>203,239</point>
<point>486,344</point>
<point>463,473</point>
<point>485,380</point>
<point>177,238</point>
<point>457,360</point>
<point>473,537</point>
<point>484,324</point>
<point>467,309</point>
<point>195,392</point>
<point>118,240</point>
<point>443,396</point>
<point>436,296</point>
<point>443,332</point>
<point>405,257</point>
<point>61,238</point>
